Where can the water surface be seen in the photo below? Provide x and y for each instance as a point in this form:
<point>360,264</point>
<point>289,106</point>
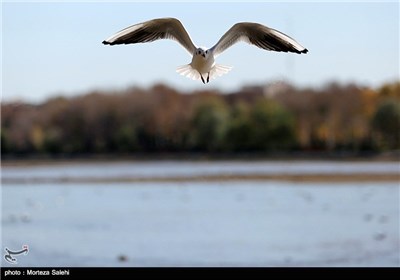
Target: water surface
<point>227,223</point>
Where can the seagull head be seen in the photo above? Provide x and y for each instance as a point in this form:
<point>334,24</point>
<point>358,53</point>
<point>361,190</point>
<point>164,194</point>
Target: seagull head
<point>202,52</point>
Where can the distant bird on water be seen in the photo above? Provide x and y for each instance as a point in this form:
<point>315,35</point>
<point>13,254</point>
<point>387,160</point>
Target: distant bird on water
<point>203,61</point>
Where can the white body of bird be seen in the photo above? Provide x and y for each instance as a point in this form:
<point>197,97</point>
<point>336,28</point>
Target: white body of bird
<point>203,66</point>
<point>202,61</point>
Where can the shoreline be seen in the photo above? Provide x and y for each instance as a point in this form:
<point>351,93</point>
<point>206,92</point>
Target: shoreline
<point>29,160</point>
<point>334,178</point>
<point>289,169</point>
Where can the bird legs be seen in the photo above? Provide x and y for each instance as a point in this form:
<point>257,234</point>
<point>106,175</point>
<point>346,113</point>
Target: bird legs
<point>208,78</point>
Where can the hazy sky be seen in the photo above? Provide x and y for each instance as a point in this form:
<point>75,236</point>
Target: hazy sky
<point>55,48</point>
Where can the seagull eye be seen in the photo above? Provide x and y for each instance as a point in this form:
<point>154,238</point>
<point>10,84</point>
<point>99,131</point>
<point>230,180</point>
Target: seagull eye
<point>207,51</point>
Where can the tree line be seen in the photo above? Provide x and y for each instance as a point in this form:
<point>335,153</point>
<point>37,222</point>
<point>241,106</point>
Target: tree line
<point>273,118</point>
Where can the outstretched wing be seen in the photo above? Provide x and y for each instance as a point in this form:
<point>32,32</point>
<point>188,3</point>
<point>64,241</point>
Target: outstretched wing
<point>149,31</point>
<point>260,36</point>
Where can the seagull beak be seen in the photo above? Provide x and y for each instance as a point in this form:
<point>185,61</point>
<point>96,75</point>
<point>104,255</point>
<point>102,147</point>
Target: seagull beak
<point>204,55</point>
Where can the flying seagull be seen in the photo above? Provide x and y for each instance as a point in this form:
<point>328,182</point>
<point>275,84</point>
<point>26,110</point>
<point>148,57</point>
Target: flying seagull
<point>203,61</point>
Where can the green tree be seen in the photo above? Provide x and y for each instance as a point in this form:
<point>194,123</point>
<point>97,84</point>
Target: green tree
<point>208,124</point>
<point>272,127</point>
<point>4,142</point>
<point>386,123</point>
<point>53,140</point>
<point>126,138</point>
<point>239,130</point>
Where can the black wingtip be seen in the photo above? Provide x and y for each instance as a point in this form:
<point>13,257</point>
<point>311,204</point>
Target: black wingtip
<point>304,51</point>
<point>106,43</point>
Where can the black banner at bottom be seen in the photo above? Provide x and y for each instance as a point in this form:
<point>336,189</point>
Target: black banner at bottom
<point>77,272</point>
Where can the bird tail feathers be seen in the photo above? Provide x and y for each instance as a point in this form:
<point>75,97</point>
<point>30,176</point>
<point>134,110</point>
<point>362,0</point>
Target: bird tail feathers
<point>216,71</point>
<point>188,71</point>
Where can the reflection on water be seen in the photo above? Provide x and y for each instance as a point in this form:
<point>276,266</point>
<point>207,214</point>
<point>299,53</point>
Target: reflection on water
<point>235,223</point>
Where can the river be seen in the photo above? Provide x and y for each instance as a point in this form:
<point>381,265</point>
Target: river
<point>82,214</point>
